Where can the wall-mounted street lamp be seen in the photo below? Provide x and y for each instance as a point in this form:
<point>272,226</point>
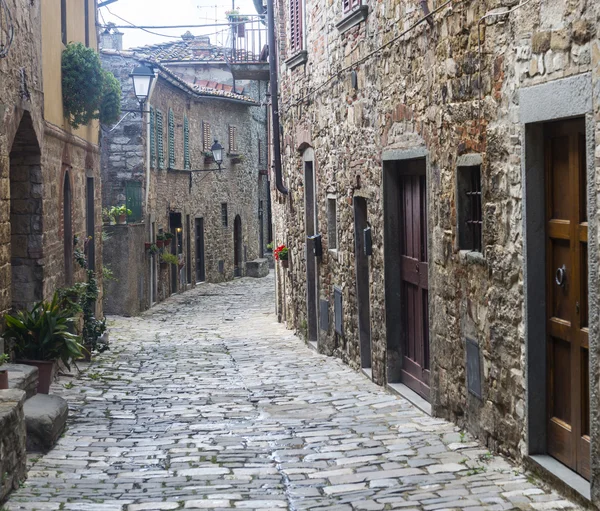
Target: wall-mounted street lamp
<point>217,153</point>
<point>142,77</point>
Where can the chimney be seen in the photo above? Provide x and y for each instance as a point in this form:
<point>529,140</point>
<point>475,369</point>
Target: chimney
<point>111,38</point>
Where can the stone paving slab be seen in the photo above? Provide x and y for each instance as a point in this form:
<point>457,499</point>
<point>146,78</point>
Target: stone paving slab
<point>205,402</point>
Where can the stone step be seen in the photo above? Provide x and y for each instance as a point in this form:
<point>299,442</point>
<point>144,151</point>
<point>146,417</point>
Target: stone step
<point>46,418</point>
<point>22,377</point>
<point>259,268</point>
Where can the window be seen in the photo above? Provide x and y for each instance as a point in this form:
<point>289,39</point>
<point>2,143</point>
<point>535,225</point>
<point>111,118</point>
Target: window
<point>224,214</point>
<point>152,138</point>
<point>233,148</point>
<point>469,208</point>
<point>350,4</point>
<point>296,28</point>
<point>206,136</point>
<point>332,223</point>
<point>63,21</point>
<point>187,164</point>
<point>260,152</point>
<point>160,141</point>
<point>171,139</point>
<point>133,199</point>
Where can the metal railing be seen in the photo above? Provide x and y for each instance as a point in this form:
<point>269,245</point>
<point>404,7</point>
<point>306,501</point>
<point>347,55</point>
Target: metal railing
<point>247,40</point>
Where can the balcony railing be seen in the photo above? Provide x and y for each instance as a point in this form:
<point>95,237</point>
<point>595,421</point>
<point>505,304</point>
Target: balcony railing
<point>247,40</point>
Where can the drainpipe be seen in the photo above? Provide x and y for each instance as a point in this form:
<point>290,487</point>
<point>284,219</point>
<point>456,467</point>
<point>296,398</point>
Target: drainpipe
<point>147,129</point>
<point>275,129</point>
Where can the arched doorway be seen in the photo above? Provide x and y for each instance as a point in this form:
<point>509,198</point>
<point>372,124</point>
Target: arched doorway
<point>68,229</point>
<point>237,246</point>
<point>26,220</point>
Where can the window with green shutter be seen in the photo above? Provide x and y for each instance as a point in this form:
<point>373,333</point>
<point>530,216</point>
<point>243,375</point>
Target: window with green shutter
<point>152,138</point>
<point>160,141</point>
<point>171,134</point>
<point>133,199</point>
<point>187,164</point>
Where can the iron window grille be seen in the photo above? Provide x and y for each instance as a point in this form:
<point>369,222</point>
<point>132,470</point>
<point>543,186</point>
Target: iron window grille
<point>171,139</point>
<point>224,219</point>
<point>187,164</point>
<point>350,4</point>
<point>206,136</point>
<point>296,26</point>
<point>470,209</point>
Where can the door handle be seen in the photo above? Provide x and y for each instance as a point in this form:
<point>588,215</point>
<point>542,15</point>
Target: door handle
<point>561,276</point>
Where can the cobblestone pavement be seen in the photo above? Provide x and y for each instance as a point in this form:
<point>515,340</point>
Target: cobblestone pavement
<point>207,403</point>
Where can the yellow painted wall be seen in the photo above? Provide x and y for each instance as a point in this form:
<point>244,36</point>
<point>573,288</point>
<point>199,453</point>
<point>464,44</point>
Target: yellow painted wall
<point>52,48</point>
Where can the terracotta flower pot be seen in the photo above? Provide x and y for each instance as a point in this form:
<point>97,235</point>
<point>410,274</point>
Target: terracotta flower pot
<point>285,263</point>
<point>122,219</point>
<point>3,380</point>
<point>160,243</point>
<point>46,373</point>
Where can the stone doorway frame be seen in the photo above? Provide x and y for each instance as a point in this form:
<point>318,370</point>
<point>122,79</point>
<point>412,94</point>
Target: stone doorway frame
<point>553,101</point>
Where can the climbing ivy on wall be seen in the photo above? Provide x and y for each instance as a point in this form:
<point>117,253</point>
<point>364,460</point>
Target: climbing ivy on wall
<point>88,91</point>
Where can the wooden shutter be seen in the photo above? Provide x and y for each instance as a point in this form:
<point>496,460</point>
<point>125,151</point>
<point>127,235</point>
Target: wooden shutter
<point>296,29</point>
<point>171,139</point>
<point>187,164</point>
<point>160,140</point>
<point>233,139</point>
<point>152,138</point>
<point>206,136</point>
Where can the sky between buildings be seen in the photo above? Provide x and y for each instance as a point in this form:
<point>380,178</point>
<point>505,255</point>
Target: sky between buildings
<point>171,12</point>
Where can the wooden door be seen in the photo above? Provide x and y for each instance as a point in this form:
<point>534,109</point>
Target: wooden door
<point>567,295</point>
<point>362,281</point>
<point>237,246</point>
<point>414,280</point>
<point>200,266</point>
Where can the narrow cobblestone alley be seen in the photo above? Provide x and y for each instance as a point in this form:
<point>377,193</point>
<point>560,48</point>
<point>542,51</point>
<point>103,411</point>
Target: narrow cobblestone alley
<point>205,402</point>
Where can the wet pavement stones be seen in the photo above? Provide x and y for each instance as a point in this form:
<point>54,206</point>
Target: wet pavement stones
<point>205,402</point>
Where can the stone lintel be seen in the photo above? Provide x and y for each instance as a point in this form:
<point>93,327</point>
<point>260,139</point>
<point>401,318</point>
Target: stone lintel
<point>404,154</point>
<point>353,18</point>
<point>469,160</point>
<point>297,60</point>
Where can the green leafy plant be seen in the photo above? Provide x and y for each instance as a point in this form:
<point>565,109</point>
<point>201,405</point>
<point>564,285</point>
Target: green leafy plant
<point>4,358</point>
<point>117,211</point>
<point>43,333</point>
<point>169,235</point>
<point>169,258</point>
<point>107,273</point>
<point>153,249</point>
<point>281,253</point>
<point>270,246</point>
<point>88,91</point>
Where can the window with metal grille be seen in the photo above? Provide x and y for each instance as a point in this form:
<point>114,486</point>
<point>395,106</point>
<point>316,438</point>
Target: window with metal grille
<point>296,26</point>
<point>206,136</point>
<point>260,152</point>
<point>332,223</point>
<point>187,164</point>
<point>469,208</point>
<point>160,141</point>
<point>171,139</point>
<point>350,4</point>
<point>233,148</point>
<point>133,199</point>
<point>152,138</point>
<point>224,220</point>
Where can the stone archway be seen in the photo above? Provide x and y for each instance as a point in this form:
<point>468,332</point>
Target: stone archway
<point>26,220</point>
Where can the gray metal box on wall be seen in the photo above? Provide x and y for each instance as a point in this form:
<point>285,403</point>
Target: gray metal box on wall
<point>324,315</point>
<point>473,368</point>
<point>338,310</point>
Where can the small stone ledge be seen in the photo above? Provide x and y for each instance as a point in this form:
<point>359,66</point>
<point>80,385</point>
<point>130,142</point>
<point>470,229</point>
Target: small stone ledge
<point>46,418</point>
<point>258,269</point>
<point>297,60</point>
<point>353,18</point>
<point>23,377</point>
<point>471,257</point>
<point>13,459</point>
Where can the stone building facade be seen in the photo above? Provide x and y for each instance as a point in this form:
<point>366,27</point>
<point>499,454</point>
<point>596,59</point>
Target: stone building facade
<point>47,169</point>
<point>448,154</point>
<point>218,217</point>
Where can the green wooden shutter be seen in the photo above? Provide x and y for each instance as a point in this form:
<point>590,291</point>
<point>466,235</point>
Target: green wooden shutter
<point>171,139</point>
<point>133,199</point>
<point>152,138</point>
<point>187,164</point>
<point>160,140</point>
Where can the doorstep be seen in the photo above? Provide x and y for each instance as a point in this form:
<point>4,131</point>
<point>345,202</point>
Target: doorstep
<point>313,345</point>
<point>368,372</point>
<point>562,478</point>
<point>411,396</point>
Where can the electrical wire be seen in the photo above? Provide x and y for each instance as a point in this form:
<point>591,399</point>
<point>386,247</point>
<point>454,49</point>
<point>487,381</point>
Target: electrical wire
<point>145,30</point>
<point>371,54</point>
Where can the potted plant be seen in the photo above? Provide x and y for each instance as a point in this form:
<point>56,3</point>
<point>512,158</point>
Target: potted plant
<point>281,253</point>
<point>160,240</point>
<point>166,259</point>
<point>151,247</point>
<point>42,336</point>
<point>120,214</point>
<point>4,358</point>
<point>270,246</point>
<point>168,237</point>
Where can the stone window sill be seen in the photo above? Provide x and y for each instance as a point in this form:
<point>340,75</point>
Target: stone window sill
<point>297,60</point>
<point>471,257</point>
<point>353,18</point>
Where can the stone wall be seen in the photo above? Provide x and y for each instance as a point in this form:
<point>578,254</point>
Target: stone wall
<point>419,91</point>
<point>13,460</point>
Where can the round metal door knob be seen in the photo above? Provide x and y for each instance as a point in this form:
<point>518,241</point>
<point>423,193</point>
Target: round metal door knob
<point>561,276</point>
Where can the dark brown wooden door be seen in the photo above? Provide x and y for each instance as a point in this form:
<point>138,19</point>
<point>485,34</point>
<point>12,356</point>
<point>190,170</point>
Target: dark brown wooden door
<point>567,295</point>
<point>414,282</point>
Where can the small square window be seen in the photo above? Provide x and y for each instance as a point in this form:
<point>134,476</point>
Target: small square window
<point>468,203</point>
<point>224,220</point>
<point>332,223</point>
<point>350,4</point>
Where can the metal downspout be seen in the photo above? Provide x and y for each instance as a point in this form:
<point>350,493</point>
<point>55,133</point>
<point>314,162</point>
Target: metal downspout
<point>275,129</point>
